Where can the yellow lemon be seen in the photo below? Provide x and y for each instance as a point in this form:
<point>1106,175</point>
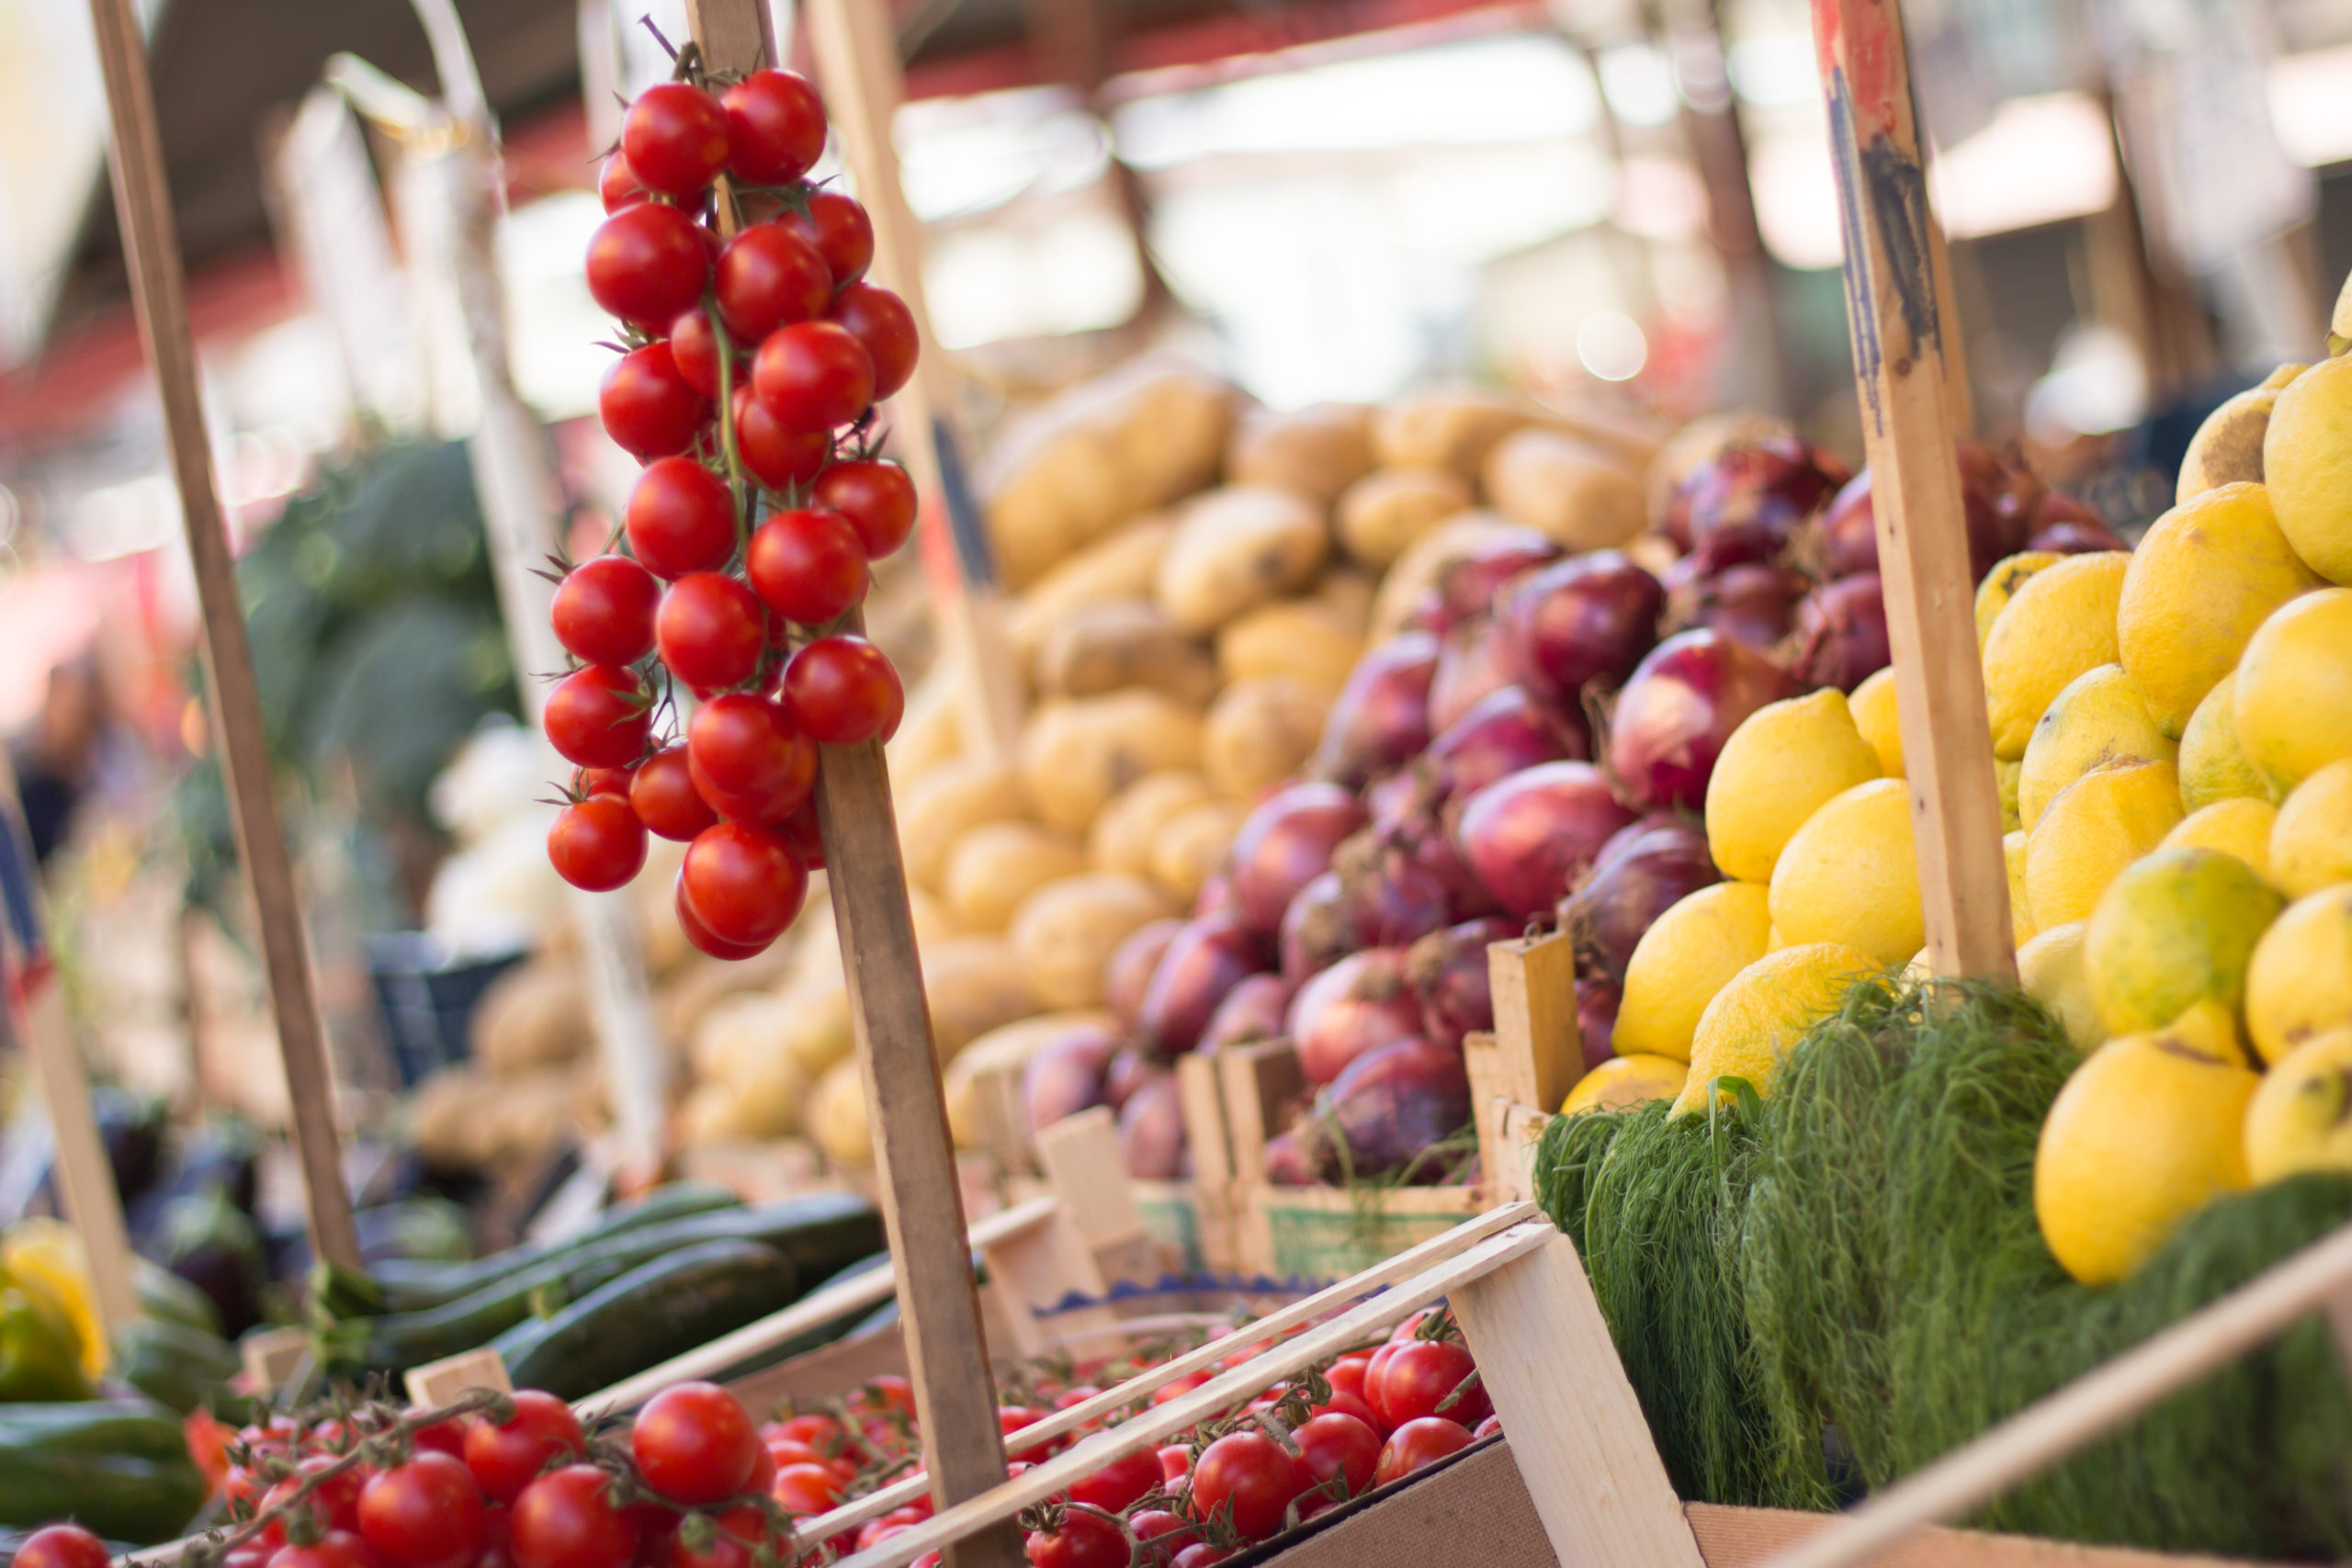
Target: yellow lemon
<point>1775,770</point>
<point>1624,1082</point>
<point>1874,708</point>
<point>2173,928</point>
<point>2307,463</point>
<point>2228,446</point>
<point>2097,826</point>
<point>1765,1009</point>
<point>1850,875</point>
<point>2204,576</point>
<point>2008,776</point>
<point>2061,623</point>
<point>2013,854</point>
<point>1773,940</point>
<point>2300,983</point>
<point>2001,585</point>
<point>1686,956</point>
<point>2292,704</point>
<point>1919,970</point>
<point>48,1255</point>
<point>2099,716</point>
<point>2211,765</point>
<point>2240,828</point>
<point>2301,1119</point>
<point>2145,1132</point>
<point>2051,969</point>
<point>2310,843</point>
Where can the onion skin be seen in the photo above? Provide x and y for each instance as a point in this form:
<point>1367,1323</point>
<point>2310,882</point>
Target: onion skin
<point>1529,836</point>
<point>1316,933</point>
<point>1596,1002</point>
<point>1381,720</point>
<point>1064,1076</point>
<point>1390,1107</point>
<point>1387,897</point>
<point>1997,503</point>
<point>1358,1004</point>
<point>1474,585</point>
<point>1204,960</point>
<point>1253,1011</point>
<point>1841,627</point>
<point>1284,844</point>
<point>1128,1070</point>
<point>1632,882</point>
<point>1673,716</point>
<point>1738,544</point>
<point>2073,536</point>
<point>1472,663</point>
<point>1128,973</point>
<point>1507,730</point>
<point>1773,481</point>
<point>1448,975</point>
<point>1587,619</point>
<point>1286,1162</point>
<point>1756,605</point>
<point>1152,1131</point>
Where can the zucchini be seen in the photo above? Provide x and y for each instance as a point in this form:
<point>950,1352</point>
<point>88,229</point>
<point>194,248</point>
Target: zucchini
<point>164,1294</point>
<point>121,1496</point>
<point>654,1313</point>
<point>172,1363</point>
<point>137,1429</point>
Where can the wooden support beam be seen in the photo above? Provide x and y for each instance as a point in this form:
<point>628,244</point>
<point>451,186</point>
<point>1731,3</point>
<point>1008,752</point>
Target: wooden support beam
<point>159,296</point>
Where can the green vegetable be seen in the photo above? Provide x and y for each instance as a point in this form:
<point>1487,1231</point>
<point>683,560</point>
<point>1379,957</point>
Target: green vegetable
<point>164,1294</point>
<point>172,1363</point>
<point>119,1466</point>
<point>650,1315</point>
<point>41,1351</point>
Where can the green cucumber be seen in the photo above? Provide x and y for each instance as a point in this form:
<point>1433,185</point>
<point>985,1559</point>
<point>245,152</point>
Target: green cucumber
<point>654,1313</point>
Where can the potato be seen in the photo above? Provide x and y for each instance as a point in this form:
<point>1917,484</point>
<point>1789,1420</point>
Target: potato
<point>1422,568</point>
<point>1124,831</point>
<point>1445,427</point>
<point>817,1031</point>
<point>679,1002</point>
<point>1066,931</point>
<point>931,730</point>
<point>1080,751</point>
<point>997,864</point>
<point>1260,732</point>
<point>835,1115</point>
<point>1570,489</point>
<point>1124,566</point>
<point>1381,514</point>
<point>974,984</point>
<point>1191,844</point>
<point>947,799</point>
<point>1302,638</point>
<point>1317,452</point>
<point>535,1015</point>
<point>1348,592</point>
<point>1235,549</point>
<point>707,1117</point>
<point>1121,643</point>
<point>1054,493</point>
<point>742,1044</point>
<point>1172,421</point>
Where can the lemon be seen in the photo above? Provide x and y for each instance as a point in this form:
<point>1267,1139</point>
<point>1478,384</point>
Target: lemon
<point>2307,462</point>
<point>1850,875</point>
<point>2144,1134</point>
<point>1623,1082</point>
<point>1920,969</point>
<point>2300,983</point>
<point>2301,1119</point>
<point>2240,828</point>
<point>1687,955</point>
<point>2211,765</point>
<point>2310,843</point>
<point>2228,446</point>
<point>2097,826</point>
<point>2292,704</point>
<point>2013,854</point>
<point>2051,969</point>
<point>2172,929</point>
<point>2061,623</point>
<point>1773,940</point>
<point>2099,716</point>
<point>1874,708</point>
<point>2001,585</point>
<point>48,1256</point>
<point>1765,1009</point>
<point>1775,770</point>
<point>2204,576</point>
<point>2008,776</point>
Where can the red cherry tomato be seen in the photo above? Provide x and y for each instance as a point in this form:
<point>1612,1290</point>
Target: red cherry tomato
<point>507,1457</point>
<point>587,782</point>
<point>1492,1425</point>
<point>1080,1541</point>
<point>597,844</point>
<point>711,630</point>
<point>680,519</point>
<point>676,138</point>
<point>775,128</point>
<point>1200,1554</point>
<point>839,229</point>
<point>603,610</point>
<point>744,885</point>
<point>1175,1463</point>
<point>767,276</point>
<point>820,1431</point>
<point>336,1549</point>
<point>808,564</point>
<point>596,717</point>
<point>807,1490</point>
<point>778,456</point>
<point>1411,1327</point>
<point>1418,1443</point>
<point>618,185</point>
<point>695,347</point>
<point>877,497</point>
<point>758,810</point>
<point>1422,1375</point>
<point>566,1519</point>
<point>881,320</point>
<point>1341,1403</point>
<point>665,798</point>
<point>699,935</point>
<point>1119,1483</point>
<point>840,690</point>
<point>747,745</point>
<point>1346,1374</point>
<point>1159,1534</point>
<point>648,408</point>
<point>424,1514</point>
<point>334,1504</point>
<point>1180,1387</point>
<point>693,1442</point>
<point>647,263</point>
<point>63,1546</point>
<point>738,1535</point>
<point>1339,1446</point>
<point>1247,1477</point>
<point>813,375</point>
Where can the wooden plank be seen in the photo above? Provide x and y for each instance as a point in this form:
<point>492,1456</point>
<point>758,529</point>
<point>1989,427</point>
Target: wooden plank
<point>92,1203</point>
<point>1897,328</point>
<point>734,37</point>
<point>1203,1103</point>
<point>274,1357</point>
<point>158,290</point>
<point>1089,1172</point>
<point>436,1384</point>
<point>1540,1047</point>
<point>1577,1428</point>
<point>1258,1080</point>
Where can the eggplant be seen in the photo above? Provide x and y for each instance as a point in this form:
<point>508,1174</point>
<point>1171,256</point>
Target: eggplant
<point>213,1245</point>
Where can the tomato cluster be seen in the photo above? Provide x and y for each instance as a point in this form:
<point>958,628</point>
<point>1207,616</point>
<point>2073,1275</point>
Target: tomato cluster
<point>753,362</point>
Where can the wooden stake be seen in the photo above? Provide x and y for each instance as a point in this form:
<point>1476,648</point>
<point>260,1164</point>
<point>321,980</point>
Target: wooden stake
<point>151,247</point>
<point>1896,323</point>
<point>1539,1044</point>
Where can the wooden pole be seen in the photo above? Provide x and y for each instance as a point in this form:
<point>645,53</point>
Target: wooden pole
<point>1896,323</point>
<point>158,291</point>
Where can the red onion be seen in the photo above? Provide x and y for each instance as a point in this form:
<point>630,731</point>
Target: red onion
<point>1389,1108</point>
<point>1447,970</point>
<point>1387,897</point>
<point>1841,629</point>
<point>1216,896</point>
<point>1577,621</point>
<point>1284,844</point>
<point>1286,1162</point>
<point>1596,1002</point>
<point>1426,840</point>
<point>1632,882</point>
<point>1064,1076</point>
<point>1392,799</point>
<point>1674,716</point>
<point>1128,1070</point>
<point>1738,544</point>
<point>1207,958</point>
<point>2071,526</point>
<point>1356,1005</point>
<point>1471,663</point>
<point>1129,972</point>
<point>1504,732</point>
<point>1849,530</point>
<point>1251,1011</point>
<point>1756,605</point>
<point>1382,717</point>
<point>1996,502</point>
<point>1530,835</point>
<point>1316,933</point>
<point>1473,583</point>
<point>1151,1130</point>
<point>1775,482</point>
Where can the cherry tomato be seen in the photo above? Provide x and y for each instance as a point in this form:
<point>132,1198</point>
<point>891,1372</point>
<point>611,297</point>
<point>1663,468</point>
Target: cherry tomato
<point>1418,1443</point>
<point>647,263</point>
<point>693,1442</point>
<point>1159,1534</point>
<point>1412,1327</point>
<point>1422,1374</point>
<point>63,1546</point>
<point>805,834</point>
<point>1346,1374</point>
<point>618,185</point>
<point>674,138</point>
<point>254,1554</point>
<point>737,1535</point>
<point>1200,1554</point>
<point>775,128</point>
<point>778,456</point>
<point>648,408</point>
<point>1180,1387</point>
<point>807,1490</point>
<point>711,630</point>
<point>596,717</point>
<point>699,935</point>
<point>1339,1446</point>
<point>758,810</point>
<point>767,276</point>
<point>887,1393</point>
<point>813,375</point>
<point>840,690</point>
<point>566,1519</point>
<point>424,1514</point>
<point>1249,1478</point>
<point>597,844</point>
<point>506,1458</point>
<point>695,347</point>
<point>665,798</point>
<point>1372,1371</point>
<point>1489,1427</point>
<point>839,229</point>
<point>744,885</point>
<point>746,745</point>
<point>1080,1541</point>
<point>680,519</point>
<point>1175,1463</point>
<point>603,610</point>
<point>336,1549</point>
<point>820,1431</point>
<point>877,498</point>
<point>808,564</point>
<point>587,782</point>
<point>1119,1483</point>
<point>881,323</point>
<point>335,1504</point>
<point>1341,1403</point>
